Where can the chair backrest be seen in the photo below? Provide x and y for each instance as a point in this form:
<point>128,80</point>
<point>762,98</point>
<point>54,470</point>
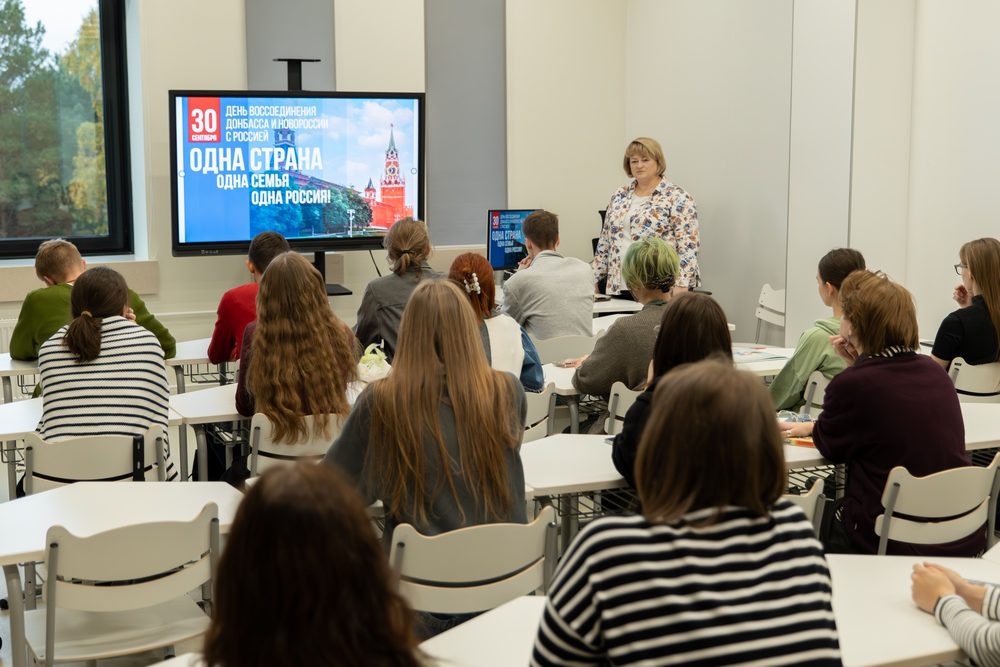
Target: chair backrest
<point>979,383</point>
<point>539,421</point>
<point>551,350</point>
<point>437,575</point>
<point>265,452</point>
<point>770,307</point>
<point>956,503</point>
<point>620,400</point>
<point>812,503</point>
<point>89,459</point>
<point>815,391</point>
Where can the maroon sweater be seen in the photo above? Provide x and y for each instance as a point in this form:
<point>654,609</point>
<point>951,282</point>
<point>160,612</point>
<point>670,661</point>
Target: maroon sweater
<point>888,412</point>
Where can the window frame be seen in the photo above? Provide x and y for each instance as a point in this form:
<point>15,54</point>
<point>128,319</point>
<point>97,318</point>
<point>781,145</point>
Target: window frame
<point>118,170</point>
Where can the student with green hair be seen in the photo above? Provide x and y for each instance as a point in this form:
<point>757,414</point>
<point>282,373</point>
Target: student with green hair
<point>650,271</point>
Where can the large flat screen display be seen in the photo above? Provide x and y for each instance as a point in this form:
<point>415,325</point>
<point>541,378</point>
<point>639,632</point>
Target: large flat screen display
<point>327,170</point>
<point>505,240</point>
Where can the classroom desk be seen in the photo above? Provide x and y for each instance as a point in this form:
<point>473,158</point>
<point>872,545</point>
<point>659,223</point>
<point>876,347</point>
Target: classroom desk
<point>982,425</point>
<point>20,418</point>
<point>86,508</point>
<point>762,360</point>
<point>876,618</point>
<point>615,305</point>
<point>12,368</point>
<point>501,637</point>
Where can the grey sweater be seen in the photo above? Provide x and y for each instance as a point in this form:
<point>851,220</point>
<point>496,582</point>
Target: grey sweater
<point>382,306</point>
<point>444,511</point>
<point>622,354</point>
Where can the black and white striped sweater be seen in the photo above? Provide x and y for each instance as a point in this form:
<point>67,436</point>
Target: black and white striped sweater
<point>744,590</point>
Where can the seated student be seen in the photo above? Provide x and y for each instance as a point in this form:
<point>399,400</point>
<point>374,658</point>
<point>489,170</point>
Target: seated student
<point>889,407</point>
<point>813,351</point>
<point>58,264</point>
<point>508,347</point>
<point>622,354</point>
<point>102,374</point>
<point>438,439</point>
<point>238,306</point>
<point>340,607</point>
<point>408,246</point>
<point>969,611</point>
<point>693,328</point>
<point>718,569</point>
<point>973,331</point>
<point>298,357</point>
<point>550,295</point>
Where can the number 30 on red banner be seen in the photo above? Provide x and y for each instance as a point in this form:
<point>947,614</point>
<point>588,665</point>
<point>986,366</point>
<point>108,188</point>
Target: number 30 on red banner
<point>203,119</point>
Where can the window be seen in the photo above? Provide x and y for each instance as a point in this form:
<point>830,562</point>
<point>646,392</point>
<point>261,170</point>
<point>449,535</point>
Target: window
<point>64,168</point>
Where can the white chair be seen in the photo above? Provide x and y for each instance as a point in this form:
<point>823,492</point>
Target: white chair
<point>551,350</point>
<point>48,465</point>
<point>266,453</point>
<point>815,392</point>
<point>979,383</point>
<point>474,569</point>
<point>123,591</point>
<point>770,308</point>
<point>812,503</point>
<point>956,502</point>
<point>620,400</point>
<point>541,409</point>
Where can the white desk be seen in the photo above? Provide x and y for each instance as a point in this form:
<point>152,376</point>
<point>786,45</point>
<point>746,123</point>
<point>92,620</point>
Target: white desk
<point>797,457</point>
<point>982,425</point>
<point>877,620</point>
<point>500,637</point>
<point>86,508</point>
<point>762,360</point>
<point>11,368</point>
<point>191,353</point>
<point>615,305</point>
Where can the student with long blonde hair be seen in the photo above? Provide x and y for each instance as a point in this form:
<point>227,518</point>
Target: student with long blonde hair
<point>438,440</point>
<point>298,357</point>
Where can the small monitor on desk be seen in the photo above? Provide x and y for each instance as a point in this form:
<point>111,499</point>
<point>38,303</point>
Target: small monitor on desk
<point>505,240</point>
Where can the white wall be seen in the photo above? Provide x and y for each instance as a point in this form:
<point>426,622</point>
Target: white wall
<point>710,80</point>
<point>954,171</point>
<point>566,105</point>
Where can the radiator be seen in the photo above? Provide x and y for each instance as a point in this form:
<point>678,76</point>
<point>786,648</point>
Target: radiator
<point>6,329</point>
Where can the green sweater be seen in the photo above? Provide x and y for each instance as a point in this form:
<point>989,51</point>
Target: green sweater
<point>46,310</point>
<point>813,353</point>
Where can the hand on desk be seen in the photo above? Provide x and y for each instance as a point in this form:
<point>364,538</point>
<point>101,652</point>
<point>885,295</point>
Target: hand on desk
<point>796,429</point>
<point>930,582</point>
<point>572,363</point>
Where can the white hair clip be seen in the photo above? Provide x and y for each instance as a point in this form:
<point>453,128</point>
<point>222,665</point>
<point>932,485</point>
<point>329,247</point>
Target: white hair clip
<point>473,286</point>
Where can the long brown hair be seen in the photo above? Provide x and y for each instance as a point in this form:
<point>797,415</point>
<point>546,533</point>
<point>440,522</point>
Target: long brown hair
<point>693,327</point>
<point>440,357</point>
<point>982,256</point>
<point>304,581</point>
<point>474,276</point>
<point>407,244</point>
<point>711,441</point>
<point>881,312</point>
<point>98,293</point>
<point>303,355</point>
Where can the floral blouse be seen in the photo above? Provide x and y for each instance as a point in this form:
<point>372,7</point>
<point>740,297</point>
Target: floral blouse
<point>669,213</point>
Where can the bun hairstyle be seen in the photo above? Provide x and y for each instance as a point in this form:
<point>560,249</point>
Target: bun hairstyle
<point>474,276</point>
<point>407,245</point>
<point>98,293</point>
<point>651,263</point>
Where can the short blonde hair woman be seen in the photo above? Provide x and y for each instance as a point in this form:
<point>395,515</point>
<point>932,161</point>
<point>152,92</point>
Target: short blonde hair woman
<point>649,206</point>
<point>438,440</point>
<point>298,357</point>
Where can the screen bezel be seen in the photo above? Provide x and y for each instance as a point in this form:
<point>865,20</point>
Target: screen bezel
<point>489,222</point>
<point>203,248</point>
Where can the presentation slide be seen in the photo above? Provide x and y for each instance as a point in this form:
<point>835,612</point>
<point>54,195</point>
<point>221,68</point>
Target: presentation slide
<point>307,167</point>
<point>505,247</point>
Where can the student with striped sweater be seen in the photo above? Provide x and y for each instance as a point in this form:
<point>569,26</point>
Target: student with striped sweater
<point>718,570</point>
<point>102,374</point>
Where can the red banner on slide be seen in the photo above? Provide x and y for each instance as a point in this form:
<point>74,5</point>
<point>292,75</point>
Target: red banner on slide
<point>203,119</point>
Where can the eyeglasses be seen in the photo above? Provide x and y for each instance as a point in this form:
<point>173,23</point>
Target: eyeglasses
<point>959,267</point>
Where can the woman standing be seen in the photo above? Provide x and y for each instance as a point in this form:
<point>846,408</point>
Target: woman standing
<point>508,347</point>
<point>973,331</point>
<point>649,205</point>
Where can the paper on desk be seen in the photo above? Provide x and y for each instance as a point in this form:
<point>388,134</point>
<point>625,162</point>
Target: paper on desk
<point>747,354</point>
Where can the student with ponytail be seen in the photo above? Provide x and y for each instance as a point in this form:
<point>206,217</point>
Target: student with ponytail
<point>507,346</point>
<point>102,374</point>
<point>408,246</point>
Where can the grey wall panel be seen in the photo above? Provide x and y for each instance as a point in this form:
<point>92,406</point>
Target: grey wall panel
<point>466,119</point>
<point>289,29</point>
